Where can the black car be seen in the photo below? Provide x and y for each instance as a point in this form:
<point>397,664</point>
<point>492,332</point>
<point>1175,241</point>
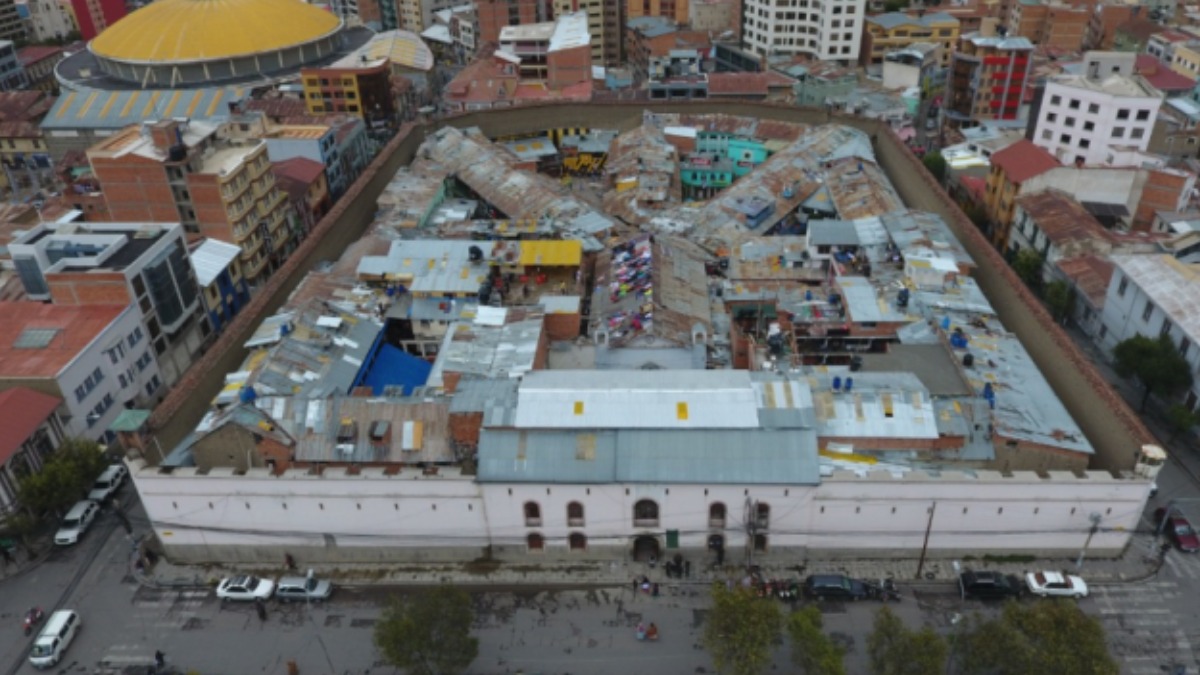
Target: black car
<point>834,587</point>
<point>984,585</point>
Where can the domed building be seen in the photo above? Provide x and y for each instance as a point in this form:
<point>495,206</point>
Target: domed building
<point>178,44</point>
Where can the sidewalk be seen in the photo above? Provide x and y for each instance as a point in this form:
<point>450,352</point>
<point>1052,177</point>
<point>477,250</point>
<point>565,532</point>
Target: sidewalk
<point>1139,562</point>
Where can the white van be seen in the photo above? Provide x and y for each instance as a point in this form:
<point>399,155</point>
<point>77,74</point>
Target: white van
<point>52,642</point>
<point>108,483</point>
<point>76,522</point>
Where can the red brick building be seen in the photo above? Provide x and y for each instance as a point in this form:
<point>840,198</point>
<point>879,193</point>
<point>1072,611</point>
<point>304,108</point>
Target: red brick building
<point>496,14</point>
<point>96,15</point>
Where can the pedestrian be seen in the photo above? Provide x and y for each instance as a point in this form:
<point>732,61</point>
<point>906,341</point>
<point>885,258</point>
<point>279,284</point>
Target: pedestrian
<point>8,557</point>
<point>636,582</point>
<point>160,659</point>
<point>289,561</point>
<point>654,592</point>
<point>687,568</point>
<point>261,609</point>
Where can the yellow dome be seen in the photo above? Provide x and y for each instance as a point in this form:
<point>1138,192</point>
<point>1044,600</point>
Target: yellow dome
<point>201,30</point>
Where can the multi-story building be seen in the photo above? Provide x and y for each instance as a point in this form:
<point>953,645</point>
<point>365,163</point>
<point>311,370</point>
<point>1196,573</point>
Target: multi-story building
<point>557,53</point>
<point>830,31</point>
<point>1161,44</point>
<point>654,37</point>
<point>677,11</point>
<point>307,187</point>
<point>1104,21</point>
<point>1148,295</point>
<point>496,14</point>
<point>12,73</point>
<point>1185,58</point>
<point>93,16</point>
<point>51,19</point>
<point>715,15</point>
<point>143,265</point>
<point>361,88</point>
<point>32,430</point>
<point>39,62</point>
<point>1011,167</point>
<point>987,77</point>
<point>1082,117</point>
<point>1050,25</point>
<point>317,143</point>
<point>12,26</point>
<point>604,26</point>
<point>896,30</point>
<point>223,289</point>
<point>417,15</point>
<point>198,174</point>
<point>94,357</point>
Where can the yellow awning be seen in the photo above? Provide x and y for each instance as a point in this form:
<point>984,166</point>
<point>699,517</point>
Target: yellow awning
<point>551,253</point>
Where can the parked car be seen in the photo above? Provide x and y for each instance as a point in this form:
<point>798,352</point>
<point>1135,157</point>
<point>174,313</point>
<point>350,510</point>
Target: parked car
<point>1056,584</point>
<point>1178,529</point>
<point>108,483</point>
<point>834,587</point>
<point>987,585</point>
<point>245,587</point>
<point>76,522</point>
<point>303,589</point>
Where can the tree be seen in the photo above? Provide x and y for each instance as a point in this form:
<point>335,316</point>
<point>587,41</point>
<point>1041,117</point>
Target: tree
<point>894,649</point>
<point>1041,638</point>
<point>1181,420</point>
<point>65,477</point>
<point>429,633</point>
<point>741,630</point>
<point>812,650</point>
<point>936,165</point>
<point>1028,266</point>
<point>1155,363</point>
<point>1060,298</point>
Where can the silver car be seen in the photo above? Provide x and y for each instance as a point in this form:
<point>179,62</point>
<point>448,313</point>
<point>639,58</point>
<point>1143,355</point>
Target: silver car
<point>303,589</point>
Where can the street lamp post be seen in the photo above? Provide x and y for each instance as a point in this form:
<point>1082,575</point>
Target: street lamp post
<point>1095,519</point>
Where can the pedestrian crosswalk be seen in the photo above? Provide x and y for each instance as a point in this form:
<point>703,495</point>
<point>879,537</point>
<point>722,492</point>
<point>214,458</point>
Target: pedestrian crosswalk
<point>1143,627</point>
<point>1179,565</point>
<point>157,615</point>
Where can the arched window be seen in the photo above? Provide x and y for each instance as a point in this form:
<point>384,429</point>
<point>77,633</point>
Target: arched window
<point>762,515</point>
<point>575,514</point>
<point>645,513</point>
<point>578,541</point>
<point>716,515</point>
<point>535,542</point>
<point>533,514</point>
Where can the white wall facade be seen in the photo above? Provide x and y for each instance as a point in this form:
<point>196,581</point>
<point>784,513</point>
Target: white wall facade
<point>1082,122</point>
<point>117,366</point>
<point>375,517</point>
<point>829,30</point>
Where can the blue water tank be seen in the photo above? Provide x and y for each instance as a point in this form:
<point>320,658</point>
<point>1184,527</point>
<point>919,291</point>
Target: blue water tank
<point>247,395</point>
<point>945,323</point>
<point>849,383</point>
<point>837,383</point>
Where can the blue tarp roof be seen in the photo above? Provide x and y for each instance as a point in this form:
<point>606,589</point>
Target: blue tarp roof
<point>394,367</point>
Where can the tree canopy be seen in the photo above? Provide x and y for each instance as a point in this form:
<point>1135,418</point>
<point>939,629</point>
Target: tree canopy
<point>1060,298</point>
<point>812,650</point>
<point>1156,364</point>
<point>64,478</point>
<point>740,630</point>
<point>936,164</point>
<point>1049,637</point>
<point>429,633</point>
<point>1028,265</point>
<point>894,649</point>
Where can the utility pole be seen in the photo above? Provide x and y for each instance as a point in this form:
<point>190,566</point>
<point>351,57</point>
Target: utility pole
<point>1095,518</point>
<point>751,531</point>
<point>925,545</point>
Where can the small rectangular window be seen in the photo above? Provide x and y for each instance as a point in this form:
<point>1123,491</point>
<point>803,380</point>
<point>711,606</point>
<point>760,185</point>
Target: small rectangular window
<point>1149,310</point>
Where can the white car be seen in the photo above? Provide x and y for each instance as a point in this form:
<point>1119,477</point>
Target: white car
<point>245,588</point>
<point>1056,584</point>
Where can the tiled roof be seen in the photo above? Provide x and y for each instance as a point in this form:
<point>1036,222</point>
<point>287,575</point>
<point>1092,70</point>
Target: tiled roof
<point>756,84</point>
<point>22,106</point>
<point>1060,218</point>
<point>23,411</point>
<point>1023,160</point>
<point>1159,76</point>
<point>69,329</point>
<point>34,53</point>
<point>300,169</point>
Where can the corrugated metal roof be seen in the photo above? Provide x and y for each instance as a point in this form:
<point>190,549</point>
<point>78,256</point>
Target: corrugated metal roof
<point>119,109</point>
<point>649,456</point>
<point>879,405</point>
<point>551,253</point>
<point>428,266</point>
<point>673,399</point>
<point>211,258</point>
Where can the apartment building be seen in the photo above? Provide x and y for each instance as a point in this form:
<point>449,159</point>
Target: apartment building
<point>307,188</point>
<point>223,289</point>
<point>51,19</point>
<point>496,14</point>
<point>830,30</point>
<point>94,357</point>
<point>1083,117</point>
<point>27,167</point>
<point>143,265</point>
<point>198,174</point>
<point>39,62</point>
<point>93,16</point>
<point>1050,25</point>
<point>314,142</point>
<point>12,73</point>
<point>558,53</point>
<point>654,37</point>
<point>1185,58</point>
<point>32,431</point>
<point>1010,169</point>
<point>1104,21</point>
<point>895,30</point>
<point>358,87</point>
<point>988,73</point>
<point>605,27</point>
<point>677,11</point>
<point>12,25</point>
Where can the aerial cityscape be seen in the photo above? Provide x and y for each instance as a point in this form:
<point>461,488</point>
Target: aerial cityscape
<point>546,336</point>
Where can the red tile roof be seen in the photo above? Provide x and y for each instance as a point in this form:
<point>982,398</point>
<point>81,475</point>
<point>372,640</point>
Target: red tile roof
<point>1023,160</point>
<point>1061,219</point>
<point>24,106</point>
<point>749,84</point>
<point>1090,274</point>
<point>76,326</point>
<point>1159,76</point>
<point>34,53</point>
<point>23,411</point>
<point>300,169</point>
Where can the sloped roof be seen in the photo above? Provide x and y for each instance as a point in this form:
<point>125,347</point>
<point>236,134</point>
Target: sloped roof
<point>1091,275</point>
<point>119,109</point>
<point>23,411</point>
<point>1023,160</point>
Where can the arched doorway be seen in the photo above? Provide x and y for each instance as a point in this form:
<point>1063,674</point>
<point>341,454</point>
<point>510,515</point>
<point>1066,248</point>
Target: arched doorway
<point>644,547</point>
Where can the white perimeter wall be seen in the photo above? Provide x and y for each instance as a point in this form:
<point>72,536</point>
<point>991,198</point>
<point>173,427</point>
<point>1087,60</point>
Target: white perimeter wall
<point>222,516</point>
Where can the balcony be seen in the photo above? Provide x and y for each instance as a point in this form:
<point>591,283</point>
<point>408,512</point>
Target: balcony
<point>254,268</point>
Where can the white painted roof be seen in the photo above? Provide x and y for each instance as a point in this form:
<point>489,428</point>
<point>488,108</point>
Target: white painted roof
<point>211,258</point>
<point>570,31</point>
